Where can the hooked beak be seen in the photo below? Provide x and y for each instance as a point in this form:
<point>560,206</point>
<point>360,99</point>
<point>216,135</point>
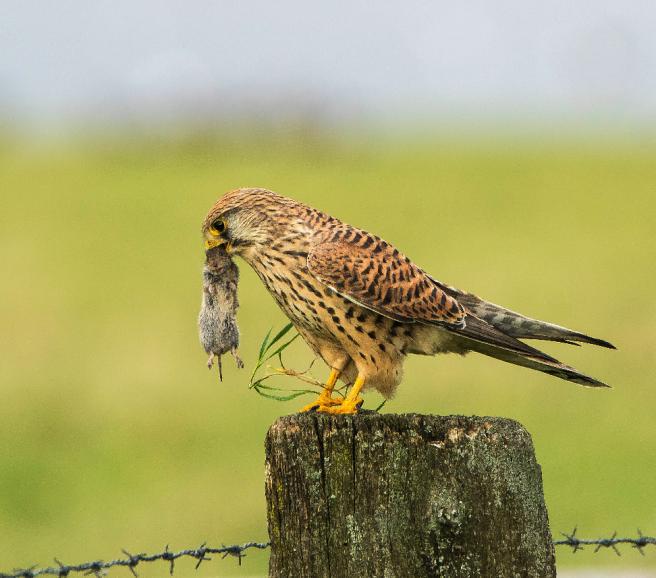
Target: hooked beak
<point>213,239</point>
<point>213,242</point>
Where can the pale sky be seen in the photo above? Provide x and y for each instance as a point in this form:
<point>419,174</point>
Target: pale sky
<point>151,59</point>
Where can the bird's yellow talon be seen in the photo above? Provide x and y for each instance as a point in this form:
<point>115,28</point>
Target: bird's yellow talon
<point>348,405</point>
<point>344,408</point>
<point>323,401</point>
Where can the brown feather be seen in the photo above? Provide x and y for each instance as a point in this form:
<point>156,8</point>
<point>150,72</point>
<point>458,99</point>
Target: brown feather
<point>481,331</point>
<point>380,278</point>
<point>518,325</point>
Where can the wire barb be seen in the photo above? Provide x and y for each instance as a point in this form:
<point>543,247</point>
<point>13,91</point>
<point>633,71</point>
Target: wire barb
<point>132,561</point>
<point>230,551</point>
<point>62,568</point>
<point>201,555</point>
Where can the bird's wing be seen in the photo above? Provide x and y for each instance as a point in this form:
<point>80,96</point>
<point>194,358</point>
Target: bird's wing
<point>373,274</point>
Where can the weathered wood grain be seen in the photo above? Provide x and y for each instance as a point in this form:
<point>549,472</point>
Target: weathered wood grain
<point>404,495</point>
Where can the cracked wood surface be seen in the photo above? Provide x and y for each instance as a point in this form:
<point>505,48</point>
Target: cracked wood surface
<point>404,495</point>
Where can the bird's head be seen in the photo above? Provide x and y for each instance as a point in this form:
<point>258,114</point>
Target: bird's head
<point>243,220</point>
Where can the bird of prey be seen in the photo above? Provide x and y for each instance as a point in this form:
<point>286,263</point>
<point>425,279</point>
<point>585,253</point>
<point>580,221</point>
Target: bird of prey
<point>362,305</point>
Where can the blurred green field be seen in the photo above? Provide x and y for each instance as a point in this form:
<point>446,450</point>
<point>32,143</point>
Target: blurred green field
<point>114,435</point>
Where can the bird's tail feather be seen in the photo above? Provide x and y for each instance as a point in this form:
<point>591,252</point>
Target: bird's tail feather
<point>554,368</point>
<point>517,325</point>
<point>483,338</point>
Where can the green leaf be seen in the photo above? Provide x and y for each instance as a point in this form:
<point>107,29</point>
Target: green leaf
<point>264,347</point>
<point>251,383</point>
<point>255,384</point>
<point>279,336</point>
<point>380,406</point>
<point>283,346</point>
<point>279,397</point>
<point>260,358</point>
<point>274,388</point>
<point>295,393</point>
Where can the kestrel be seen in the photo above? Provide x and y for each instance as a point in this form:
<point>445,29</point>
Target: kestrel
<point>363,306</point>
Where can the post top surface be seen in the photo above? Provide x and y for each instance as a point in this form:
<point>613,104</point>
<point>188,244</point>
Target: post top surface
<point>430,426</point>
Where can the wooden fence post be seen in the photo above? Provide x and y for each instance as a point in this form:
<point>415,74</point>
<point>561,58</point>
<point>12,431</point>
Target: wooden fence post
<point>404,496</point>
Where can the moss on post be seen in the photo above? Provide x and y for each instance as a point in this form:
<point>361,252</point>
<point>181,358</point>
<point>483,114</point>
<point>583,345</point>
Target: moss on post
<point>404,495</point>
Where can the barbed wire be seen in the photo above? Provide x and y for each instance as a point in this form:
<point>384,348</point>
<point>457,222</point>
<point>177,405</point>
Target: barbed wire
<point>576,543</point>
<point>131,561</point>
<point>201,554</point>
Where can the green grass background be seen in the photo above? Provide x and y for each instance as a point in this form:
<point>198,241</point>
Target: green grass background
<point>113,434</point>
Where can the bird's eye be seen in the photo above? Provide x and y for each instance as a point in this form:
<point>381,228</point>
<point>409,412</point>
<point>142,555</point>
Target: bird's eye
<point>219,225</point>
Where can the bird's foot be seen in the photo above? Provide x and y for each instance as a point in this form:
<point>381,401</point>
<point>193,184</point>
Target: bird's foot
<point>347,406</point>
<point>335,406</point>
<point>323,402</point>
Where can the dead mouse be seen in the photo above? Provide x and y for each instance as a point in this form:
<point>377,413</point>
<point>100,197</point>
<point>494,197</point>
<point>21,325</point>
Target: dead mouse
<point>217,322</point>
